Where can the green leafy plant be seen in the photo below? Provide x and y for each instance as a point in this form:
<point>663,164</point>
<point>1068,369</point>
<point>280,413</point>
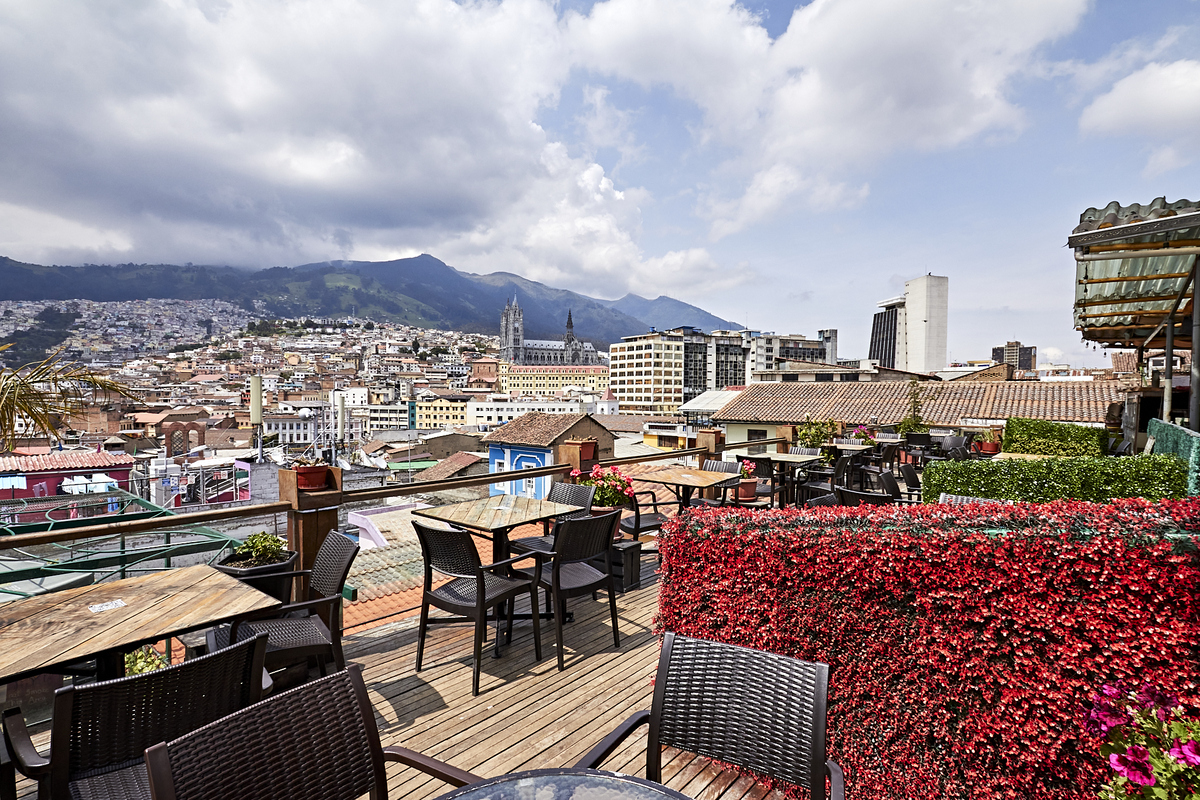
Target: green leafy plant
<point>913,422</point>
<point>814,433</point>
<point>144,659</point>
<point>258,550</point>
<point>1149,743</point>
<point>1040,437</point>
<point>613,487</point>
<point>1153,477</point>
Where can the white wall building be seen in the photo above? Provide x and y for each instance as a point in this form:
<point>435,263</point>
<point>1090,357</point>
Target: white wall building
<point>910,332</point>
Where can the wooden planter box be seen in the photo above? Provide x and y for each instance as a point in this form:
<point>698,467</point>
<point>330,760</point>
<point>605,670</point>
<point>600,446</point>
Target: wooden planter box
<point>626,558</point>
<point>263,577</point>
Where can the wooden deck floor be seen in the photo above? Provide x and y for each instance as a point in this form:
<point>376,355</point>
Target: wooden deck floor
<point>528,714</point>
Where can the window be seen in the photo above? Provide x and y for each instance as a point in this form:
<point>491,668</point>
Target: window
<point>754,434</point>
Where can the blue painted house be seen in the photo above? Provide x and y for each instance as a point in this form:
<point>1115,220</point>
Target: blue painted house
<point>534,440</point>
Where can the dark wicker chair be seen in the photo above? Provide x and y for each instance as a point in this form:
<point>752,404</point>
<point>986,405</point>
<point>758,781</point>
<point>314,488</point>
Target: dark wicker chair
<point>753,709</point>
<point>887,483</point>
<point>962,500</point>
<point>822,500</point>
<point>772,482</point>
<point>308,629</point>
<point>713,465</point>
<point>474,590</point>
<point>840,468</point>
<point>319,740</point>
<point>576,542</point>
<point>853,497</point>
<point>571,494</point>
<point>100,730</point>
<point>882,461</point>
<point>912,481</point>
<point>917,445</point>
<point>643,522</point>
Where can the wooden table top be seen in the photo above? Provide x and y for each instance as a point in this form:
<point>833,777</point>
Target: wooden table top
<point>496,513</point>
<point>792,458</point>
<point>74,624</point>
<point>853,448</point>
<point>682,476</point>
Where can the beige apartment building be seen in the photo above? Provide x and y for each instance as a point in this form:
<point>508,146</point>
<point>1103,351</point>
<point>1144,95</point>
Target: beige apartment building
<point>646,373</point>
<point>549,378</point>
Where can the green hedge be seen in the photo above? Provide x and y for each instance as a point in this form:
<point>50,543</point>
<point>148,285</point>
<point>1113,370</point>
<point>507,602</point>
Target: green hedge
<point>1041,480</point>
<point>1039,437</point>
<point>1170,438</point>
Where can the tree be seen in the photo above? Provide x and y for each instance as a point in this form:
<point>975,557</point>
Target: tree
<point>45,392</point>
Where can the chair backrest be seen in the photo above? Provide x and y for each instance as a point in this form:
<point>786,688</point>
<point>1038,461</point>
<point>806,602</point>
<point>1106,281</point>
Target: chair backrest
<point>758,710</point>
<point>584,538</point>
<point>962,500</point>
<point>840,467</point>
<point>911,479</point>
<point>763,467</point>
<point>914,439</point>
<point>712,465</point>
<point>847,441</point>
<point>821,500</point>
<point>318,740</point>
<point>1123,448</point>
<point>106,726</point>
<point>332,564</point>
<point>852,497</point>
<point>805,451</point>
<point>960,453</point>
<point>887,481</point>
<point>887,455</point>
<point>449,551</point>
<point>572,494</point>
<point>887,437</point>
<point>951,442</point>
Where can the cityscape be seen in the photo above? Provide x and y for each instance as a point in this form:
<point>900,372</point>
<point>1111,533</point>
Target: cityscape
<point>622,399</point>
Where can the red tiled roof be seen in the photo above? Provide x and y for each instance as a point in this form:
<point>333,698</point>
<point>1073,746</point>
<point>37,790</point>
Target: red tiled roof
<point>534,428</point>
<point>944,403</point>
<point>73,459</point>
<point>449,466</point>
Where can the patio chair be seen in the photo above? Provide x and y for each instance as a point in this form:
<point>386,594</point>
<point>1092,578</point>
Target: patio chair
<point>750,708</point>
<point>822,500</point>
<point>474,590</point>
<point>881,461</point>
<point>1122,449</point>
<point>319,740</point>
<point>712,465</point>
<point>962,500</point>
<point>917,445</point>
<point>912,481</point>
<point>311,628</point>
<point>569,494</point>
<point>888,484</point>
<point>836,479</point>
<point>771,481</point>
<point>853,497</point>
<point>642,522</point>
<point>100,730</point>
<point>576,542</point>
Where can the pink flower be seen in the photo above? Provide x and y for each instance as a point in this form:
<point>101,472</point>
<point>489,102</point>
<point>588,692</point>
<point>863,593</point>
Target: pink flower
<point>575,473</point>
<point>1134,764</point>
<point>1187,753</point>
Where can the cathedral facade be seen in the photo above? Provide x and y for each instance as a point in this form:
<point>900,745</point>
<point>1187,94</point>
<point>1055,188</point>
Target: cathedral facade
<point>516,349</point>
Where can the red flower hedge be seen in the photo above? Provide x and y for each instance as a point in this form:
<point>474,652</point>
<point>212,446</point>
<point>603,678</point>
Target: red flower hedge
<point>962,640</point>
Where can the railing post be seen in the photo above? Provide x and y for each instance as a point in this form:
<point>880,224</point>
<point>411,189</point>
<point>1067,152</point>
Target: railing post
<point>785,432</point>
<point>312,515</point>
<point>711,439</point>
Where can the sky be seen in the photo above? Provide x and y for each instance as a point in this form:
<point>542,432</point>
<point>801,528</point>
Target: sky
<point>782,165</point>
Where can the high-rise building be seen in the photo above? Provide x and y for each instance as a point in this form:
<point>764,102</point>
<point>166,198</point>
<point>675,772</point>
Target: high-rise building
<point>646,373</point>
<point>910,332</point>
<point>1017,355</point>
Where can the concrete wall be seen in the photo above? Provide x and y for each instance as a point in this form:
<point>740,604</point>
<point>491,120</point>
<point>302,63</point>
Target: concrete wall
<point>926,301</point>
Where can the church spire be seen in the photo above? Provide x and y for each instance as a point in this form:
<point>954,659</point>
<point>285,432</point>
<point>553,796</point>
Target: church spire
<point>570,324</point>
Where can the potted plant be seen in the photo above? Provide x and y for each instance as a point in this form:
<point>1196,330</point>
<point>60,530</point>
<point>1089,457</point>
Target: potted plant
<point>863,434</point>
<point>988,442</point>
<point>748,483</point>
<point>614,489</point>
<point>258,561</point>
<point>311,473</point>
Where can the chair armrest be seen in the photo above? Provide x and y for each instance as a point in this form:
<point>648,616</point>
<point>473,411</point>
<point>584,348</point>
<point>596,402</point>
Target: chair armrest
<point>837,783</point>
<point>295,573</point>
<point>654,501</point>
<point>431,766</point>
<point>290,607</point>
<point>534,554</point>
<point>597,754</point>
<point>28,760</point>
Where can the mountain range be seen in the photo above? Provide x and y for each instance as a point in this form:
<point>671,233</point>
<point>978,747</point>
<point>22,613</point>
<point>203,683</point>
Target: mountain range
<point>421,291</point>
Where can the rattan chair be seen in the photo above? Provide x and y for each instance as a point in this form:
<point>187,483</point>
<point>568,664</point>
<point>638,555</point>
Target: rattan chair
<point>853,497</point>
<point>753,709</point>
<point>100,730</point>
<point>887,483</point>
<point>821,500</point>
<point>319,740</point>
<point>840,468</point>
<point>962,500</point>
<point>311,628</point>
<point>713,465</point>
<point>912,481</point>
<point>571,494</point>
<point>772,482</point>
<point>643,522</point>
<point>474,590</point>
<point>576,542</point>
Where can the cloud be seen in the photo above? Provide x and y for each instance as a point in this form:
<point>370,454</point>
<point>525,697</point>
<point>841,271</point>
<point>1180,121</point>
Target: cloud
<point>1160,104</point>
<point>260,133</point>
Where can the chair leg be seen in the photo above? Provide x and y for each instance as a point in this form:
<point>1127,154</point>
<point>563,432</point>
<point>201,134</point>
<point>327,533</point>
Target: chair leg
<point>512,606</point>
<point>559,613</point>
<point>612,608</point>
<point>421,632</point>
<point>339,657</point>
<point>480,626</point>
<point>537,622</point>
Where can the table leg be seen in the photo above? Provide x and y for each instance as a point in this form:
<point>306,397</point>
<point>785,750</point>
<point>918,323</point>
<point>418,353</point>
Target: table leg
<point>110,665</point>
<point>685,497</point>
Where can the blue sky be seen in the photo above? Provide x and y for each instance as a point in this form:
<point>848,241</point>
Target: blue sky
<point>782,165</point>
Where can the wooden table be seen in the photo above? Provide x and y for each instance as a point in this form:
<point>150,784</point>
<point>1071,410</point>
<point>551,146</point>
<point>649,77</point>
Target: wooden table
<point>496,516</point>
<point>105,620</point>
<point>850,448</point>
<point>569,782</point>
<point>792,458</point>
<point>683,481</point>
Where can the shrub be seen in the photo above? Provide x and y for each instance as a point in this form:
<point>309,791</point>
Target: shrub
<point>962,640</point>
<point>1043,438</point>
<point>1171,438</point>
<point>1045,479</point>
